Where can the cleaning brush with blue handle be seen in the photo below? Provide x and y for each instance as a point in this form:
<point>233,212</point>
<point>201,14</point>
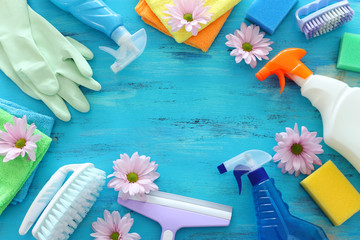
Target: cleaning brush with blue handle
<point>66,204</point>
<point>96,14</point>
<point>323,16</point>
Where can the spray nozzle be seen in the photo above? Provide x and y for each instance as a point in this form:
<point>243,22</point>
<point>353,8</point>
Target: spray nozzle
<point>130,47</point>
<point>247,162</point>
<point>284,63</point>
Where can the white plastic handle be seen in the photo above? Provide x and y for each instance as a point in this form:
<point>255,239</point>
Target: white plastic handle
<point>45,195</point>
<point>168,235</point>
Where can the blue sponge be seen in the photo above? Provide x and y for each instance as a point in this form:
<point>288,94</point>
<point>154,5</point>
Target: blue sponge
<point>268,14</point>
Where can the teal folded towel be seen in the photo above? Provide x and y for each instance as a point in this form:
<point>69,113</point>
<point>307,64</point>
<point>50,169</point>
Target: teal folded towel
<point>43,123</point>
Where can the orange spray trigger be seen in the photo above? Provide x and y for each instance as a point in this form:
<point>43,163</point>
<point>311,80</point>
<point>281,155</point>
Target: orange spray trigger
<point>286,61</point>
<point>281,77</point>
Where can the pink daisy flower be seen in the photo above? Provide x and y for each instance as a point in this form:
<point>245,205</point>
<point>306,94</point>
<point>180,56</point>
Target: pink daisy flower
<point>249,44</point>
<point>18,140</point>
<point>297,153</point>
<point>188,13</point>
<point>113,227</point>
<point>134,176</point>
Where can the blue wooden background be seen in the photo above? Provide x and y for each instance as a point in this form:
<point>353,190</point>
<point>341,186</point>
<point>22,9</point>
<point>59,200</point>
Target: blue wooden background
<point>189,111</point>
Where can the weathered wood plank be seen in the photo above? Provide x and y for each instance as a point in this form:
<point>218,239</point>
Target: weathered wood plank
<point>189,111</point>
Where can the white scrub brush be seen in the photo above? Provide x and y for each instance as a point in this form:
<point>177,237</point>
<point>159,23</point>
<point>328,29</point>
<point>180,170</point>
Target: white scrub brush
<point>69,202</point>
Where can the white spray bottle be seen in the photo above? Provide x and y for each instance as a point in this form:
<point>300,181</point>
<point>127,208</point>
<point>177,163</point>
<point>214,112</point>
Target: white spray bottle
<point>338,104</point>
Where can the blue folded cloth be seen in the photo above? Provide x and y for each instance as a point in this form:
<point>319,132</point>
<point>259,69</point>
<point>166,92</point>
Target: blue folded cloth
<point>43,123</point>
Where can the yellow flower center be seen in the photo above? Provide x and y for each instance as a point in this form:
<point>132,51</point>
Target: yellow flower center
<point>132,177</point>
<point>247,47</point>
<point>296,149</point>
<point>114,236</point>
<point>188,17</point>
<point>20,143</point>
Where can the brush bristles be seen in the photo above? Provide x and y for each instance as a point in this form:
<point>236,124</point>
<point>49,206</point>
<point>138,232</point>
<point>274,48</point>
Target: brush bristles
<point>72,206</point>
<point>328,21</point>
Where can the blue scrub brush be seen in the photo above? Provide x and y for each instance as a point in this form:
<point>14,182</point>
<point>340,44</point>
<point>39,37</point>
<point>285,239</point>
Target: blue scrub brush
<point>70,202</point>
<point>323,16</point>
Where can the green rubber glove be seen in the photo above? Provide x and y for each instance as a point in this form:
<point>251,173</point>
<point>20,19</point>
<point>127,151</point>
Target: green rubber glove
<point>38,53</point>
<point>64,55</point>
<point>61,55</point>
<point>69,91</point>
<point>16,39</point>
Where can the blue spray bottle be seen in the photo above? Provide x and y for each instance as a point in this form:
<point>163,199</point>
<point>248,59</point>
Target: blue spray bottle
<point>98,15</point>
<point>273,217</point>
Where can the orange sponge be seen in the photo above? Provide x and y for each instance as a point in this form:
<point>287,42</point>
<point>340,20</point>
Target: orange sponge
<point>334,194</point>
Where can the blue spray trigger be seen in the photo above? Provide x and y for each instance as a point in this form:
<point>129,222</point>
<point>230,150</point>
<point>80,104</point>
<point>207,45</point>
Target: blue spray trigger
<point>246,163</point>
<point>238,172</point>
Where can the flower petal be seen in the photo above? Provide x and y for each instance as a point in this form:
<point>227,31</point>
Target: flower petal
<point>7,137</point>
<point>12,154</point>
<point>5,147</point>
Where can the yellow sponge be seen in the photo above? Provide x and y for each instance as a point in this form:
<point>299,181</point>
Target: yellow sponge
<point>334,194</point>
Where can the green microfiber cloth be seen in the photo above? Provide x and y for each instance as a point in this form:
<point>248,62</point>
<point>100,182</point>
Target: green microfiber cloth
<point>349,54</point>
<point>13,174</point>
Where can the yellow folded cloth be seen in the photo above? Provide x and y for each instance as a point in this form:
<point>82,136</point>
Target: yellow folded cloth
<point>203,40</point>
<point>218,8</point>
